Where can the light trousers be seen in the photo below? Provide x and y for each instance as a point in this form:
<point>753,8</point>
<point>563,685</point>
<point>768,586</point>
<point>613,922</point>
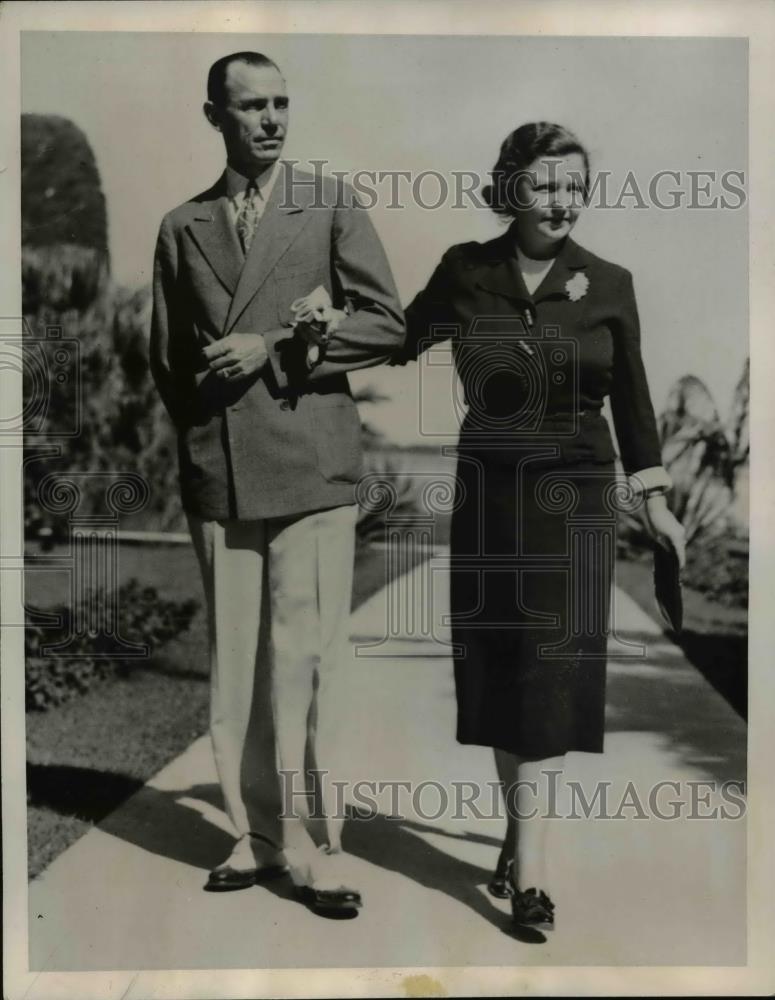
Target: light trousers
<point>278,595</point>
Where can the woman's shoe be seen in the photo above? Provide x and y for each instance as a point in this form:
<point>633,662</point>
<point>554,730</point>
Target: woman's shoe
<point>500,885</point>
<point>532,908</point>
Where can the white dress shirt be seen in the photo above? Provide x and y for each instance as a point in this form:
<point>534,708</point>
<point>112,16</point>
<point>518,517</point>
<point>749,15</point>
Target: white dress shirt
<point>236,185</point>
<point>533,271</point>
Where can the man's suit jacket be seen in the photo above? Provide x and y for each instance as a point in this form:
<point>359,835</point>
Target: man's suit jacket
<point>286,440</point>
<point>572,355</point>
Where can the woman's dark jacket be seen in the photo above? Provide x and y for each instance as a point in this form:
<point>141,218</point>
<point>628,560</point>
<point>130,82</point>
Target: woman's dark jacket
<point>530,364</point>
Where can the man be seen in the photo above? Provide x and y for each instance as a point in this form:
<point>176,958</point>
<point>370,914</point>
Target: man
<point>269,452</point>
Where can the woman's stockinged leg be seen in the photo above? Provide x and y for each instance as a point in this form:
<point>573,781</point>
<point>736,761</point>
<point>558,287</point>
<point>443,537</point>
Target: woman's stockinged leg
<point>500,884</point>
<point>529,788</point>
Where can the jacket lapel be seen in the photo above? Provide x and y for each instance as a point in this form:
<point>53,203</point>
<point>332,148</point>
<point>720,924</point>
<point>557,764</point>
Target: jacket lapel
<point>501,273</point>
<point>214,234</point>
<point>285,216</point>
<point>505,278</point>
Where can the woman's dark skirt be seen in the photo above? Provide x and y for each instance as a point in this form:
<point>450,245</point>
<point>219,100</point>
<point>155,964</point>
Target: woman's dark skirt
<point>532,551</point>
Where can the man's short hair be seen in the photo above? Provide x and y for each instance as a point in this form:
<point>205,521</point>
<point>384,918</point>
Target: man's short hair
<point>216,78</point>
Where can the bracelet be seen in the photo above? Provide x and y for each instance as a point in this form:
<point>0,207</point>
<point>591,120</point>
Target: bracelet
<point>655,491</point>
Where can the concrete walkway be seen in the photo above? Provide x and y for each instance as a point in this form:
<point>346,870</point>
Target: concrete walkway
<point>128,895</point>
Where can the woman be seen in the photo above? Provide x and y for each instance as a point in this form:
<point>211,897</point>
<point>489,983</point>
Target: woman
<point>542,331</point>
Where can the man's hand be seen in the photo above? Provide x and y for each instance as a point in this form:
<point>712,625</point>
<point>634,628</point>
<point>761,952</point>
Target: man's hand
<point>237,356</point>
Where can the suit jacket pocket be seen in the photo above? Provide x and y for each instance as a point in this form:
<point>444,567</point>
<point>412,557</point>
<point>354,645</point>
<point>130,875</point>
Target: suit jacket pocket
<point>337,432</point>
<point>200,446</point>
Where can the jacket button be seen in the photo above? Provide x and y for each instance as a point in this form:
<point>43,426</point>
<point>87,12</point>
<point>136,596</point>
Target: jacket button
<point>285,405</point>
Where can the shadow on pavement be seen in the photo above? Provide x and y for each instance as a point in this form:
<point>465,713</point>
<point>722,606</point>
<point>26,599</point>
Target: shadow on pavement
<point>663,694</point>
<point>722,658</point>
<point>83,792</point>
<point>137,813</point>
<point>397,845</point>
<point>156,821</point>
<point>160,822</point>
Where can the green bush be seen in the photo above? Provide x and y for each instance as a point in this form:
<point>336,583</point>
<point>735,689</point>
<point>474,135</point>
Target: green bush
<point>65,259</point>
<point>390,494</point>
<point>143,618</point>
<point>707,459</point>
<point>718,568</point>
<point>124,428</point>
<point>67,285</point>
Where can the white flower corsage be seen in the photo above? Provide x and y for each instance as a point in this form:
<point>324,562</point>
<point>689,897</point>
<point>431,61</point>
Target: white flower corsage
<point>577,286</point>
<point>315,319</point>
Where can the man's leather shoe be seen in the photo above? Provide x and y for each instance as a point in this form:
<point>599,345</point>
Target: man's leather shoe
<point>248,864</point>
<point>330,902</point>
<point>321,880</point>
<point>227,879</point>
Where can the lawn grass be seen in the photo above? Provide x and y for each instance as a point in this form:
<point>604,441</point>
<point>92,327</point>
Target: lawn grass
<point>86,756</point>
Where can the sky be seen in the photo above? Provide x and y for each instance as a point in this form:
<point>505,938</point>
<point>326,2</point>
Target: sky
<point>439,103</point>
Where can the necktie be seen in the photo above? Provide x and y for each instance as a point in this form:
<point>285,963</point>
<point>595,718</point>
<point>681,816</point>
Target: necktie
<point>247,217</point>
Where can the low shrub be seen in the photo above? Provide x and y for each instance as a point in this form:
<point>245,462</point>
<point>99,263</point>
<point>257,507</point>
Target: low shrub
<point>388,493</point>
<point>718,568</point>
<point>144,618</point>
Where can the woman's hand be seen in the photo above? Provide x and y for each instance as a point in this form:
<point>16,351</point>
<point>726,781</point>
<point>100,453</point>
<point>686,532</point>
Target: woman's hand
<point>665,528</point>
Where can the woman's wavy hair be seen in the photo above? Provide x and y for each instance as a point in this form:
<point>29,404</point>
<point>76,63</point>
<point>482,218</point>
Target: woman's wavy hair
<point>519,149</point>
